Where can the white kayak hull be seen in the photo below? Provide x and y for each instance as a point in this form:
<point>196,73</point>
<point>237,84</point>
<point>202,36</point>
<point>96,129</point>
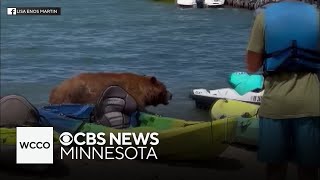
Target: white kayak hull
<point>212,3</point>
<point>205,3</point>
<point>205,98</point>
<point>186,3</point>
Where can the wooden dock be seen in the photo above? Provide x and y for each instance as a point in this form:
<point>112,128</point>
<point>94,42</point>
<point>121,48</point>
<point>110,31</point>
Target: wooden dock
<point>254,4</point>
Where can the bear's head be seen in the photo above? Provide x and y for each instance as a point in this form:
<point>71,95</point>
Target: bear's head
<point>157,93</point>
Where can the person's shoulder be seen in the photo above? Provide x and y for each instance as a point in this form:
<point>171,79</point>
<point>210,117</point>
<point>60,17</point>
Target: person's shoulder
<point>258,11</point>
<point>259,17</point>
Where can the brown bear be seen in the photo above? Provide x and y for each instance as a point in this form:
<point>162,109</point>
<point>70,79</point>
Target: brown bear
<point>86,88</point>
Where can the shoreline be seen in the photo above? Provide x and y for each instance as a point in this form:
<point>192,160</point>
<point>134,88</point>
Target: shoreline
<point>253,5</point>
<point>247,4</point>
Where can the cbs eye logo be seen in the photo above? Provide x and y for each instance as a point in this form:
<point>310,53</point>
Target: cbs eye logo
<point>66,138</point>
<point>81,138</point>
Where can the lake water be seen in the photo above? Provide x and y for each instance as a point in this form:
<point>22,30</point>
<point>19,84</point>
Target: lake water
<point>184,48</point>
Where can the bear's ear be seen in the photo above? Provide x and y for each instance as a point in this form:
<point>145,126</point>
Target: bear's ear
<point>153,80</point>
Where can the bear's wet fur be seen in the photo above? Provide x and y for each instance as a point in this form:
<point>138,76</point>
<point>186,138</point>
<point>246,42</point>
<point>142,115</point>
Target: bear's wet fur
<point>86,88</point>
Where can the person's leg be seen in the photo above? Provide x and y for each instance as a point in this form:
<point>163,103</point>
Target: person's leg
<point>276,171</point>
<point>308,173</point>
<point>274,145</point>
<point>307,145</point>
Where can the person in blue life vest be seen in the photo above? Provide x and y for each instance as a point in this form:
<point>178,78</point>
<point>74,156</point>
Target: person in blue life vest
<point>285,43</point>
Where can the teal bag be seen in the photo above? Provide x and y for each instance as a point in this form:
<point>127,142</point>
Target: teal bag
<point>243,83</point>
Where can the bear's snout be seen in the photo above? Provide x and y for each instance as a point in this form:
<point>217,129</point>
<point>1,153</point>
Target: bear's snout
<point>168,97</point>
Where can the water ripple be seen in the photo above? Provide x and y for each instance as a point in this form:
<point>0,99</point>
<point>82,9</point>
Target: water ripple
<point>184,48</point>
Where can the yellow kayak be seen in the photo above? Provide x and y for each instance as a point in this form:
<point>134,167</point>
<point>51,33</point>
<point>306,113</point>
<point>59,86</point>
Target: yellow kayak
<point>232,108</point>
<point>244,114</point>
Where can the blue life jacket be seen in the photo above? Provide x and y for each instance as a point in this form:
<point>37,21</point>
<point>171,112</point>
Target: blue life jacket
<point>291,37</point>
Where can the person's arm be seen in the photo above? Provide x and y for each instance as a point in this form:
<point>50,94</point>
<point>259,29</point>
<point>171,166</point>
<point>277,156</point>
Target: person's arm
<point>254,61</point>
<point>255,50</point>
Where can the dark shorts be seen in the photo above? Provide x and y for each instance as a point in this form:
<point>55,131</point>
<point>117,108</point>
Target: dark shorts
<point>284,140</point>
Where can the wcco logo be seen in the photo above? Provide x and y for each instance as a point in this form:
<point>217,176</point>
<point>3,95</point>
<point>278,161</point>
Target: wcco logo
<point>34,145</point>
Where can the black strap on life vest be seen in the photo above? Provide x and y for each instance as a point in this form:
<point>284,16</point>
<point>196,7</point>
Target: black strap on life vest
<point>306,55</point>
